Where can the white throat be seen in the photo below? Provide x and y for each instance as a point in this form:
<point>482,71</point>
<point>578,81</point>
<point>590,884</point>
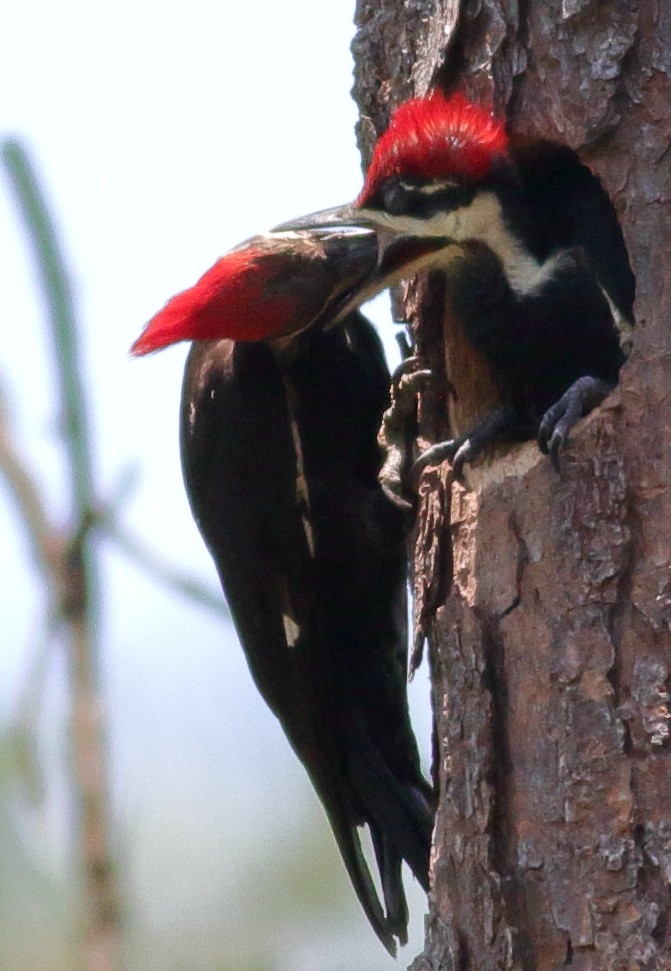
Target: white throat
<point>482,220</point>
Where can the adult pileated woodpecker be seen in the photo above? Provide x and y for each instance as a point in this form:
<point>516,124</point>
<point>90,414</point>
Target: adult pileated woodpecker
<point>280,462</point>
<point>270,287</point>
<point>539,292</point>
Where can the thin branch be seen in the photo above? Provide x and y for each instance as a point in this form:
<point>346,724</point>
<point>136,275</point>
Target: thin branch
<point>57,293</point>
<point>73,578</point>
<point>152,564</point>
<point>67,562</point>
<point>105,519</point>
<point>25,492</point>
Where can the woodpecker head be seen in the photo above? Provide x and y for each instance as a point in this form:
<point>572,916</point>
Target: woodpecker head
<point>435,179</point>
<point>438,171</point>
<point>270,287</point>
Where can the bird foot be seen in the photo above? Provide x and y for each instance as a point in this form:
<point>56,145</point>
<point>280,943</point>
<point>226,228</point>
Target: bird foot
<point>399,429</point>
<point>583,395</point>
<point>498,424</point>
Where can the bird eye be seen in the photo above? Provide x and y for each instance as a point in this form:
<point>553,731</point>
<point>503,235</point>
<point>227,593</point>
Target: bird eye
<point>394,198</point>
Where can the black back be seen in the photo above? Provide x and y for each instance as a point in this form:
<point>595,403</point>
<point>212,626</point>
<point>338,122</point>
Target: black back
<point>571,208</point>
<point>280,463</point>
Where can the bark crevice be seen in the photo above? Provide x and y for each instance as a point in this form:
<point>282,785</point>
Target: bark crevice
<point>551,644</point>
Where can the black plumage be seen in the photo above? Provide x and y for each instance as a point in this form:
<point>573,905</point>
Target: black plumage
<point>554,340</point>
<point>280,462</point>
<point>538,289</point>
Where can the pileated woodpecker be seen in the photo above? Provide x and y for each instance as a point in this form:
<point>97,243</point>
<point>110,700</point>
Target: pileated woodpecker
<point>539,292</point>
<point>271,286</point>
<point>279,436</point>
<point>280,462</point>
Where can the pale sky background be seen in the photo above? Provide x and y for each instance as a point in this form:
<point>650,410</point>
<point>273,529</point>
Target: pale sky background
<point>165,134</point>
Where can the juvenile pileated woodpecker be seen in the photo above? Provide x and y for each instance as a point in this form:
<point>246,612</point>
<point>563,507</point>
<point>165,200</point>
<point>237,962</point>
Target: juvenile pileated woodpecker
<point>280,461</point>
<point>539,292</point>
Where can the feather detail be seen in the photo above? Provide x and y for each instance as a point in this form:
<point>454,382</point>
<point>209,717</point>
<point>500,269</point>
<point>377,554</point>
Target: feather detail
<point>436,137</point>
<point>273,286</point>
<point>218,305</point>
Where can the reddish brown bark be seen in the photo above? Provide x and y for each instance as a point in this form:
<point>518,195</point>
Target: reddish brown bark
<point>549,611</point>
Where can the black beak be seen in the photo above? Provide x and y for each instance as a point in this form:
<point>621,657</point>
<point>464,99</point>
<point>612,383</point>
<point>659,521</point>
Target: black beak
<point>399,256</point>
<point>341,216</point>
<point>400,259</point>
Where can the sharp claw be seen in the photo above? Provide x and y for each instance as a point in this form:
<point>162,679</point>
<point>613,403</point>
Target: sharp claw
<point>434,456</point>
<point>549,426</point>
<point>553,432</point>
<point>398,431</point>
<point>466,448</point>
<point>406,369</point>
<point>544,437</point>
<point>461,457</point>
<point>555,445</point>
<point>392,490</point>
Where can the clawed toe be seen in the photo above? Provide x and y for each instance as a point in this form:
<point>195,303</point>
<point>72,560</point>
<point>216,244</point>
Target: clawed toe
<point>497,425</point>
<point>583,395</point>
<point>399,429</point>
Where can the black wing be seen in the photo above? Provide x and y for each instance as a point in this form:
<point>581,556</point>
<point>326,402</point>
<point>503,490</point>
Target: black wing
<point>571,208</point>
<point>280,463</point>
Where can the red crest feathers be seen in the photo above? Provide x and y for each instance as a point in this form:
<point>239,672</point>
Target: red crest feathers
<point>436,137</point>
<point>227,301</point>
<point>274,285</point>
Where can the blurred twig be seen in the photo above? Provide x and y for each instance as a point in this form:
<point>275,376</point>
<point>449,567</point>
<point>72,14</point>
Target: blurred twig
<point>70,561</point>
<point>57,293</point>
<point>66,558</point>
<point>24,491</point>
<point>105,519</point>
<point>155,566</point>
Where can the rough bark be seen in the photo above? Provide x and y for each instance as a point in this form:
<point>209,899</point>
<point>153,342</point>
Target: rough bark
<point>548,597</point>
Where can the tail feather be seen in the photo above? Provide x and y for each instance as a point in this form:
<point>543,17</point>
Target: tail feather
<point>389,862</point>
<point>385,926</point>
<point>400,821</point>
<point>393,807</point>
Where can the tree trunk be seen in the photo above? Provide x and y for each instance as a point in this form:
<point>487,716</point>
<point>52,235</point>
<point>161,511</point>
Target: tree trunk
<point>547,597</point>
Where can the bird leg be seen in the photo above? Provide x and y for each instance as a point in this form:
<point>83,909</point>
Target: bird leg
<point>583,395</point>
<point>502,423</point>
<point>398,431</point>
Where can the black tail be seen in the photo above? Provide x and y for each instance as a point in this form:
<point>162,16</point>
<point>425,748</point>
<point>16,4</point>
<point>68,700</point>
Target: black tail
<point>386,926</point>
<point>389,862</point>
<point>399,816</point>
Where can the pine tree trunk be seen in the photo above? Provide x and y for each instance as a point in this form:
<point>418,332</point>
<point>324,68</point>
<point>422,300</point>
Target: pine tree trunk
<point>547,596</point>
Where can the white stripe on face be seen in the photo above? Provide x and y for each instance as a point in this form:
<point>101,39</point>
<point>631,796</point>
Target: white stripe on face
<point>482,220</point>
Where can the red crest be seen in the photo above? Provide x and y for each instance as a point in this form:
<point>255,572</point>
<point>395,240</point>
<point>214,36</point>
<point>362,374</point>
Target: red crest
<point>436,137</point>
<point>227,301</point>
